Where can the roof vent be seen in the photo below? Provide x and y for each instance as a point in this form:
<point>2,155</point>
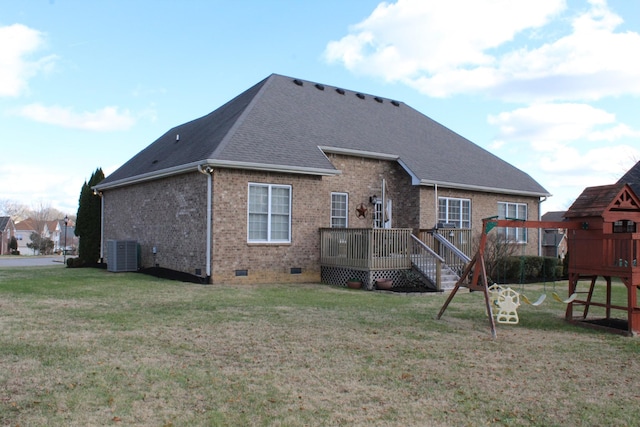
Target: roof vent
<point>359,95</point>
<point>177,137</point>
<point>340,91</point>
<point>319,86</point>
<point>298,82</point>
<point>154,162</point>
<point>378,99</point>
<point>396,103</point>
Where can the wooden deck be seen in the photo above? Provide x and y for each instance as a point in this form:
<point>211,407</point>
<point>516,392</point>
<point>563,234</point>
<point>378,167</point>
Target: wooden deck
<point>366,248</point>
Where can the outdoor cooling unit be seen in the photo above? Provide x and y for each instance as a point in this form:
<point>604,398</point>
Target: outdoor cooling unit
<point>122,255</point>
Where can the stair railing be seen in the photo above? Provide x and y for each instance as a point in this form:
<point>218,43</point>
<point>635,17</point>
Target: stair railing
<point>453,257</point>
<point>427,262</point>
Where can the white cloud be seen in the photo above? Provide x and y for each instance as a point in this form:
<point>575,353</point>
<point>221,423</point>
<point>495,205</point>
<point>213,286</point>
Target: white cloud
<point>17,44</point>
<point>549,126</point>
<point>105,119</point>
<point>61,188</point>
<point>440,51</point>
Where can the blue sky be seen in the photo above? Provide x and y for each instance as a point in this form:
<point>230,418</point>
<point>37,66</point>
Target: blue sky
<point>551,86</point>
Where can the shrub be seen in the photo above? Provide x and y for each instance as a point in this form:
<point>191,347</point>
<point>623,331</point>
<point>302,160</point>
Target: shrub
<point>74,263</point>
<point>517,269</point>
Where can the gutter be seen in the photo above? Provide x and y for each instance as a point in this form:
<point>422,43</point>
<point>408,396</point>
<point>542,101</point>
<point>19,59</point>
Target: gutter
<point>196,166</point>
<point>458,186</point>
<point>208,170</point>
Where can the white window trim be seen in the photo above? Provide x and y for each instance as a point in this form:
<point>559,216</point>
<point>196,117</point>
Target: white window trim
<point>458,223</point>
<point>518,231</point>
<point>270,187</point>
<point>346,211</point>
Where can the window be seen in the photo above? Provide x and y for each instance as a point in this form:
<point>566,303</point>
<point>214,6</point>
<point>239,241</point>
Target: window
<point>378,222</point>
<point>454,211</point>
<point>512,211</point>
<point>339,208</point>
<point>624,226</point>
<point>269,216</point>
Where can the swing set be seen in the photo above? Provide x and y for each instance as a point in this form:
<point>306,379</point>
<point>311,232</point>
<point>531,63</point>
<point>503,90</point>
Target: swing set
<point>603,241</point>
<point>505,299</point>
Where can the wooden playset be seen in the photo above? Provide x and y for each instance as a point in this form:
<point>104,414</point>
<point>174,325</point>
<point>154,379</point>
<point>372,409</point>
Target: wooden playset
<point>603,241</point>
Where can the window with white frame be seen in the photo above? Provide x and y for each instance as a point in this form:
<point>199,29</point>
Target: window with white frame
<point>269,213</point>
<point>508,210</point>
<point>454,211</point>
<point>339,209</point>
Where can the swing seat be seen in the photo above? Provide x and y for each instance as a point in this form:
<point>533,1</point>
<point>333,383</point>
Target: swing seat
<point>566,301</point>
<point>508,302</point>
<point>536,303</point>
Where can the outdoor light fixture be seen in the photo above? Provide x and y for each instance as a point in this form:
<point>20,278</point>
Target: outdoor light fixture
<point>373,199</point>
<point>64,250</point>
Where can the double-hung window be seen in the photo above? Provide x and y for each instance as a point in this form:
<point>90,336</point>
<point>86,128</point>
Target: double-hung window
<point>454,211</point>
<point>269,213</point>
<point>339,205</point>
<point>508,210</point>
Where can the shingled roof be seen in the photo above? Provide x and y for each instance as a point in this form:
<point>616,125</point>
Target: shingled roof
<point>286,124</point>
<point>632,177</point>
<point>594,201</point>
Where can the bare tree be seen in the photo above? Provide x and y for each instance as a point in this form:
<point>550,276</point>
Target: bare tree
<point>497,249</point>
<point>40,213</point>
<point>17,211</point>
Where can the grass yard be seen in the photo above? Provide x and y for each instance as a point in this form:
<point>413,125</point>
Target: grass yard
<point>85,347</point>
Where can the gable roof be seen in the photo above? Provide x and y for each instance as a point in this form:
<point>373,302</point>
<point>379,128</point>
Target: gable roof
<point>597,201</point>
<point>632,177</point>
<point>285,124</point>
<point>555,216</point>
<point>28,224</point>
<point>5,222</point>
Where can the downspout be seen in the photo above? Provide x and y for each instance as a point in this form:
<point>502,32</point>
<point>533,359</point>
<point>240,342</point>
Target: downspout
<point>540,202</point>
<point>435,186</point>
<point>208,170</point>
<point>99,194</point>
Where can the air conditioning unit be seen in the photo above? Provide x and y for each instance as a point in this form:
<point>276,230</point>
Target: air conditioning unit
<point>122,255</point>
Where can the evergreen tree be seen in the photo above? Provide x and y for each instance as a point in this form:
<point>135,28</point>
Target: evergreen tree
<point>13,245</point>
<point>88,221</point>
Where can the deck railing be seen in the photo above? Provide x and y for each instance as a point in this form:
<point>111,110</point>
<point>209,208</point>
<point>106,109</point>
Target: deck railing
<point>617,252</point>
<point>366,248</point>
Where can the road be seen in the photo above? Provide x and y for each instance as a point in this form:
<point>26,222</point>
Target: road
<point>31,261</point>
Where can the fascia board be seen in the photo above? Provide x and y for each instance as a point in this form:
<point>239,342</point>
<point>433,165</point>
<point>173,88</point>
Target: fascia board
<point>192,167</point>
<point>458,186</point>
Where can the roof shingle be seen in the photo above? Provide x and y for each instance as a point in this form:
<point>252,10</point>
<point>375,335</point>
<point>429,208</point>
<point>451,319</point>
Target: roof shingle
<point>285,125</point>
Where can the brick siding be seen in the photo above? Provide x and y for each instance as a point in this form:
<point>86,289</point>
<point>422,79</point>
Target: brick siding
<point>170,214</point>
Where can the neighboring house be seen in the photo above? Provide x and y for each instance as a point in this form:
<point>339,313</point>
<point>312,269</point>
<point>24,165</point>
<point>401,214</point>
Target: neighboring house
<point>70,241</point>
<point>239,195</point>
<point>632,177</point>
<point>52,231</point>
<point>7,230</point>
<point>554,240</point>
<point>24,229</point>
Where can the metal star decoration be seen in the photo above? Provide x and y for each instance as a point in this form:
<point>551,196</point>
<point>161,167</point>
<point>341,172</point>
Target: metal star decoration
<point>361,211</point>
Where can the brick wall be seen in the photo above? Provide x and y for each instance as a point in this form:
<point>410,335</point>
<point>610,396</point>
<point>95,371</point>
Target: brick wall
<point>483,205</point>
<point>170,214</point>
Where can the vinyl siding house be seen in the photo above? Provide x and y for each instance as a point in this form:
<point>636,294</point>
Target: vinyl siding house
<point>260,189</point>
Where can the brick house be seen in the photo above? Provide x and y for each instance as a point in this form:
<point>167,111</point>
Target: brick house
<point>7,231</point>
<point>239,195</point>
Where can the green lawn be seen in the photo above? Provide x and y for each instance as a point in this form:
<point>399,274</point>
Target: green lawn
<point>85,347</point>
